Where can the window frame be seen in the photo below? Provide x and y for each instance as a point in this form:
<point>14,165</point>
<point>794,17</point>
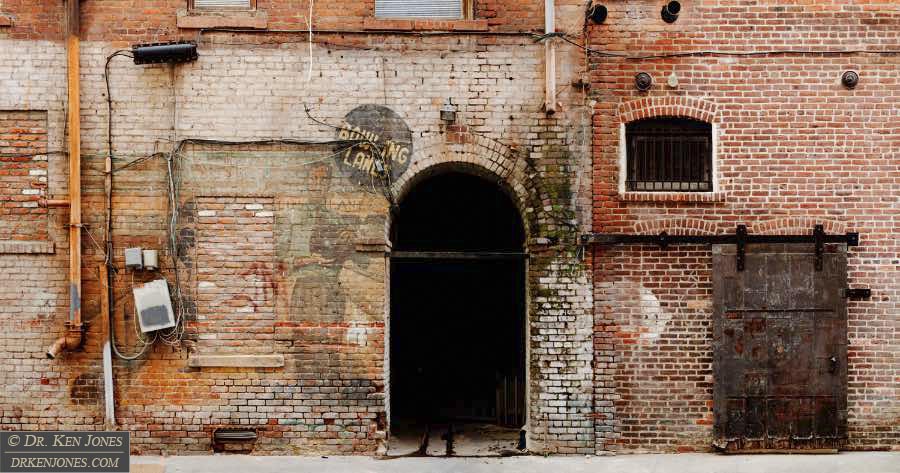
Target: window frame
<point>467,8</point>
<point>624,145</point>
<point>193,8</point>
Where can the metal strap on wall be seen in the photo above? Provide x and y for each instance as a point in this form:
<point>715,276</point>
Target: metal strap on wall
<point>740,238</point>
<point>447,9</point>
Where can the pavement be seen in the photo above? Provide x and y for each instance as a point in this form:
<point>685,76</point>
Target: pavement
<point>847,462</point>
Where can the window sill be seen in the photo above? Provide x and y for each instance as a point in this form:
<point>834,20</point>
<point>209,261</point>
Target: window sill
<point>672,197</point>
<point>236,361</point>
<point>256,19</point>
<point>27,247</point>
<point>400,24</point>
<point>371,246</point>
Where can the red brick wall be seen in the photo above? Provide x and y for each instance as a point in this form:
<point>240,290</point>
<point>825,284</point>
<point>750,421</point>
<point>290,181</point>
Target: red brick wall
<point>655,307</point>
<point>27,19</point>
<point>141,21</point>
<point>235,260</point>
<point>23,175</point>
<point>795,148</point>
<point>137,21</point>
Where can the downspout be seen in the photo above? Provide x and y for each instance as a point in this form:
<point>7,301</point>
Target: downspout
<point>73,336</point>
<point>549,58</point>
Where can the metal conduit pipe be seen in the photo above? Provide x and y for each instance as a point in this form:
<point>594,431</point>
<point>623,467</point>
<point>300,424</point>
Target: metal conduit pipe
<point>549,58</point>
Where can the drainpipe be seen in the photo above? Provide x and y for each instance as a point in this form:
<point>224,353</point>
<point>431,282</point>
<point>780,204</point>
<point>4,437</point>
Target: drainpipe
<point>73,336</point>
<point>549,58</point>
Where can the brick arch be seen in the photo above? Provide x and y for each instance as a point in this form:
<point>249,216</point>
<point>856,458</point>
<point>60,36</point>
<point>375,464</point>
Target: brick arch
<point>795,225</point>
<point>675,226</point>
<point>648,107</point>
<point>476,154</point>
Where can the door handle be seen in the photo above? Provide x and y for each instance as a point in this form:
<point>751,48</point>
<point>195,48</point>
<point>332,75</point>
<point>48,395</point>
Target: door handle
<point>833,366</point>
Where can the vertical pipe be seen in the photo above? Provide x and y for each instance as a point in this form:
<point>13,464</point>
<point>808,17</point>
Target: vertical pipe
<point>73,337</point>
<point>108,394</point>
<point>74,120</point>
<point>549,58</point>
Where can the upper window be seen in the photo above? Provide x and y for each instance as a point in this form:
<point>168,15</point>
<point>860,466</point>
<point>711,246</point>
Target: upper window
<point>222,4</point>
<point>669,155</point>
<point>439,9</point>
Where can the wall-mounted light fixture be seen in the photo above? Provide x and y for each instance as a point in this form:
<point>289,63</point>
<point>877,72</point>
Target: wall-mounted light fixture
<point>158,53</point>
<point>850,79</point>
<point>670,11</point>
<point>597,14</point>
<point>379,166</point>
<point>643,81</point>
<point>448,112</point>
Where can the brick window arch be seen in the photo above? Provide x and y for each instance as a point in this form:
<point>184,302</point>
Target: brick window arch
<point>667,145</point>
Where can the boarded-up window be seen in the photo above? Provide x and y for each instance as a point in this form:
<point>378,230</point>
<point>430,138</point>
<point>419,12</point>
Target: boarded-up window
<point>235,267</point>
<point>669,154</point>
<point>446,9</point>
<point>23,175</point>
<point>222,4</point>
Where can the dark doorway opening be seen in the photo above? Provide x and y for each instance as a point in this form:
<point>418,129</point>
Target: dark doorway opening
<point>457,328</point>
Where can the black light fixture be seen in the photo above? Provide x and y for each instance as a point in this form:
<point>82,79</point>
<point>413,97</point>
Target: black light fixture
<point>850,79</point>
<point>158,53</point>
<point>643,81</point>
<point>598,13</point>
<point>448,112</point>
<point>670,11</point>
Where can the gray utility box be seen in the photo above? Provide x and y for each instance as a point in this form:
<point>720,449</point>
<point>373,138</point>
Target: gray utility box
<point>154,306</point>
<point>134,260</point>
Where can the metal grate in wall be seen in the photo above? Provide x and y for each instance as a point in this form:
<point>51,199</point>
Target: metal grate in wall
<point>669,154</point>
<point>225,4</point>
<point>446,9</point>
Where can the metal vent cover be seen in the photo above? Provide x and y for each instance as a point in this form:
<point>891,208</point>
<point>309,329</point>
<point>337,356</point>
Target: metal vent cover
<point>444,9</point>
<point>234,435</point>
<point>229,4</point>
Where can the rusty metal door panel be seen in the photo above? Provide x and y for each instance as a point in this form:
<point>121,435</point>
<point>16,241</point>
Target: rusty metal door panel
<point>780,343</point>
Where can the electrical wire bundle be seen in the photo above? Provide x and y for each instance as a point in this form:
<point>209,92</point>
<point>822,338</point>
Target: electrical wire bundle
<point>173,336</point>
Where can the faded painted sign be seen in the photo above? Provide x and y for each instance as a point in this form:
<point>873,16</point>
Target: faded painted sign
<point>386,131</point>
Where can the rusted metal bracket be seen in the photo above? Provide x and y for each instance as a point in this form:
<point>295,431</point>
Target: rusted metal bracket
<point>741,239</point>
<point>741,235</point>
<point>456,255</point>
<point>858,293</point>
<point>819,237</point>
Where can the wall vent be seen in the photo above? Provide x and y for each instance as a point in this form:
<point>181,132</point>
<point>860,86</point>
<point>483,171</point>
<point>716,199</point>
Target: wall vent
<point>441,9</point>
<point>227,4</point>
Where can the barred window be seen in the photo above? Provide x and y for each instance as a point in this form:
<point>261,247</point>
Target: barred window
<point>669,155</point>
<point>222,4</point>
<point>430,9</point>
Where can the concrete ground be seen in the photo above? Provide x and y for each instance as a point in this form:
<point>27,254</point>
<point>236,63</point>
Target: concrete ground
<point>465,440</point>
<point>852,462</point>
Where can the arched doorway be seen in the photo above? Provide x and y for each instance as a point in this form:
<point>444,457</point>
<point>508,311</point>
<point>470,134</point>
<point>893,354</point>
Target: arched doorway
<point>457,321</point>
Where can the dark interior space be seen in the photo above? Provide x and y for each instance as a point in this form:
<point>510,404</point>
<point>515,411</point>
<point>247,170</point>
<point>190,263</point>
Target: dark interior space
<point>455,211</point>
<point>457,306</point>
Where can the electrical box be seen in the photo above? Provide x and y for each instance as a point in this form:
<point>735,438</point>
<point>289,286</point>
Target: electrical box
<point>134,259</point>
<point>151,260</point>
<point>154,306</point>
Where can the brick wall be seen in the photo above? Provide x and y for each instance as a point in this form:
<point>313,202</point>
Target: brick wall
<point>795,148</point>
<point>235,289</point>
<point>23,175</point>
<point>34,296</point>
<point>328,298</point>
<point>135,21</point>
